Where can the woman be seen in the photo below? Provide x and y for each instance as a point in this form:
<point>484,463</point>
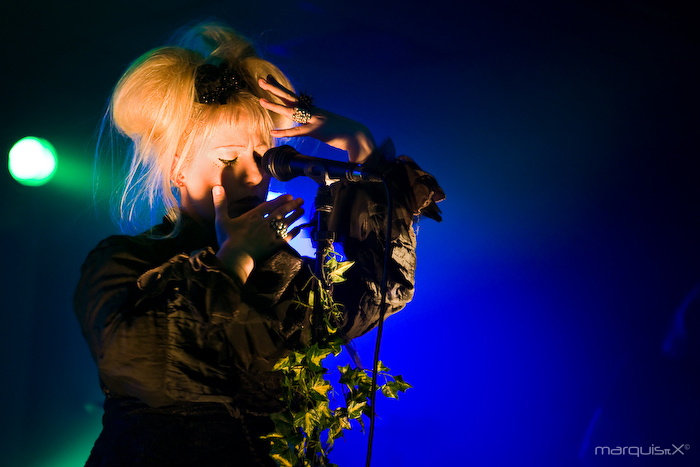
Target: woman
<point>186,320</point>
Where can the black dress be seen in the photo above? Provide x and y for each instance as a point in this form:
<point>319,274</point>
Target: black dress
<point>185,351</point>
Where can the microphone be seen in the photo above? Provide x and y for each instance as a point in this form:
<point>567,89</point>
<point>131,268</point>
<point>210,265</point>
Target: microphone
<point>285,163</point>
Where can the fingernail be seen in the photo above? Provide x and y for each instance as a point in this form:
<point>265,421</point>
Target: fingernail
<point>218,190</point>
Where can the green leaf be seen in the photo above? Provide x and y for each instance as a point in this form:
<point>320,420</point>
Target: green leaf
<point>337,274</point>
<point>298,372</point>
<point>282,364</point>
<point>306,420</point>
<point>299,443</point>
<point>283,422</point>
<point>401,384</point>
<point>355,409</point>
<point>335,346</point>
<point>315,355</point>
<point>390,390</point>
<point>281,452</point>
<point>362,424</point>
<point>285,459</point>
<point>344,423</point>
<point>334,432</point>
<point>354,377</point>
<point>320,387</point>
<point>296,357</point>
<point>331,263</point>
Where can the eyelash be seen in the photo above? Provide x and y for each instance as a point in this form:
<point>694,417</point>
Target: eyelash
<point>232,162</point>
<point>229,163</point>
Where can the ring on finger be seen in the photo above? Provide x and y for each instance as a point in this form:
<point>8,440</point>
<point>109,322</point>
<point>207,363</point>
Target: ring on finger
<point>301,115</point>
<point>279,227</point>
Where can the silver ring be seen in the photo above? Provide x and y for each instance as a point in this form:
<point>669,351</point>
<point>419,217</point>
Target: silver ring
<point>301,115</point>
<point>279,227</point>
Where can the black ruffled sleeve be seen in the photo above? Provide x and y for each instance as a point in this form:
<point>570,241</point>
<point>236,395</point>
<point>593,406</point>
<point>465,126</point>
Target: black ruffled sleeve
<point>359,218</point>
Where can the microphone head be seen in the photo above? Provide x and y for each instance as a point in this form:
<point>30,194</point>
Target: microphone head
<point>285,163</point>
<point>276,162</point>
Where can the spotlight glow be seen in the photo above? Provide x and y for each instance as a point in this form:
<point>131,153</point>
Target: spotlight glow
<point>32,161</point>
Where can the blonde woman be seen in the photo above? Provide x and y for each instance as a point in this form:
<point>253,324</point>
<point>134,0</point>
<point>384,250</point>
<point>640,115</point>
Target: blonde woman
<point>186,320</point>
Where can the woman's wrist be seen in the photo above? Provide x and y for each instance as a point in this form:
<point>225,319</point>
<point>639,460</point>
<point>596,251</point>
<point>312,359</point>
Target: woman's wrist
<point>237,261</point>
<point>361,146</point>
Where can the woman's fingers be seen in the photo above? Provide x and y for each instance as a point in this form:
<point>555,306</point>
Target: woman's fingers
<point>288,217</point>
<point>278,90</point>
<point>268,207</point>
<point>293,233</point>
<point>220,202</point>
<point>288,213</point>
<point>335,130</point>
<point>284,208</point>
<point>285,111</point>
<point>221,215</point>
<point>302,130</point>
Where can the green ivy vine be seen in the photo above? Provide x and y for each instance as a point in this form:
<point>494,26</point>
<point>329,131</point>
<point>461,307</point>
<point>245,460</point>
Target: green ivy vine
<point>305,432</point>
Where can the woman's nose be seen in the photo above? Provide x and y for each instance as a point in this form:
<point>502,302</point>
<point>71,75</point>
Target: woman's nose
<point>250,171</point>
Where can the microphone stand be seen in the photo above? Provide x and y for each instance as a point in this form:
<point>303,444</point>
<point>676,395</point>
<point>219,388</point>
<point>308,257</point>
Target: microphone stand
<point>323,237</point>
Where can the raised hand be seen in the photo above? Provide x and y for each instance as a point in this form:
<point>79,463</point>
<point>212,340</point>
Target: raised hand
<point>335,130</point>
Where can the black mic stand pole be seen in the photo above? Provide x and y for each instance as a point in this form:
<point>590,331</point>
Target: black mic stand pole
<point>323,239</point>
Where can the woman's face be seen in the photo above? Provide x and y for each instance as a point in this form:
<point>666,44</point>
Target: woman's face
<point>229,158</point>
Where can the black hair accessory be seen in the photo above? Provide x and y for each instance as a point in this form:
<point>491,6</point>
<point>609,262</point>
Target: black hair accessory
<point>305,101</point>
<point>215,84</point>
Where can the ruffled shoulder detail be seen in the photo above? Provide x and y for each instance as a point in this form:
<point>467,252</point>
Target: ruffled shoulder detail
<point>421,189</point>
<point>360,208</point>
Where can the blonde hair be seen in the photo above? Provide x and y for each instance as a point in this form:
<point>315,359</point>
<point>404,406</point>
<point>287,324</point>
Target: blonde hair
<point>154,105</point>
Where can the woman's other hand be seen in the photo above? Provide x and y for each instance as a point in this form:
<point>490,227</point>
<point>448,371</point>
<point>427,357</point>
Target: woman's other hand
<point>255,234</point>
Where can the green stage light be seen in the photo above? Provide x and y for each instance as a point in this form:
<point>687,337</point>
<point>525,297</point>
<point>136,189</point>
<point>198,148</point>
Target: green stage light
<point>32,161</point>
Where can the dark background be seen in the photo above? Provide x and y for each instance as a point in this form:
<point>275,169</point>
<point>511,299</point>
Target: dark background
<point>565,134</point>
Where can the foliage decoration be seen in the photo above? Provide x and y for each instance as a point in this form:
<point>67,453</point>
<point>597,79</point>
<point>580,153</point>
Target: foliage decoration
<point>306,431</point>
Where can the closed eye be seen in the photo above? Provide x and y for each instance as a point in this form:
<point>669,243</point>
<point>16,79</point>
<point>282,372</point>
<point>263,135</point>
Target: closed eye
<point>229,162</point>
